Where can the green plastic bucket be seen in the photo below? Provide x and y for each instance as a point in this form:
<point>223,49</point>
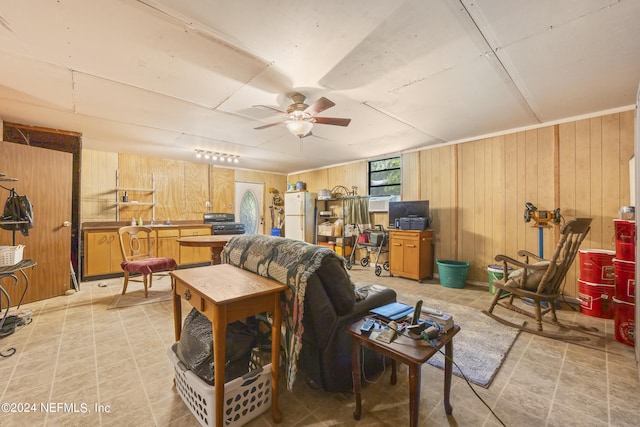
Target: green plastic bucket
<point>453,274</point>
<point>496,272</point>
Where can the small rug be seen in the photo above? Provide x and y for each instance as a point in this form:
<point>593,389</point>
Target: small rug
<point>481,345</point>
<point>159,292</point>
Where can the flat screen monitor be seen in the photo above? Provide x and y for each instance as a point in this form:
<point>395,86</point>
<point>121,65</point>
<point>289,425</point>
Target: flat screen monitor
<point>418,208</point>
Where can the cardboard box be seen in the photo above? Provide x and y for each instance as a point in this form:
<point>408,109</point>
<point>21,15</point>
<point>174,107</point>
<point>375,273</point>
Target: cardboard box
<point>347,250</point>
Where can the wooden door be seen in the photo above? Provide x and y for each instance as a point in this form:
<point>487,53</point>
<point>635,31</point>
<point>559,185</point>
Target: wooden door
<point>46,177</point>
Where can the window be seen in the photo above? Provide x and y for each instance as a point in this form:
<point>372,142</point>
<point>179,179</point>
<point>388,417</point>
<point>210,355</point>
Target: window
<point>385,177</point>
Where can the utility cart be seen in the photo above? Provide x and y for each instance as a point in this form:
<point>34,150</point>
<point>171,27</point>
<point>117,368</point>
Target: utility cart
<point>371,240</point>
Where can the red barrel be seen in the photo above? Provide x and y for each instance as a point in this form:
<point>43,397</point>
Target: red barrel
<point>625,239</point>
<point>596,266</point>
<point>625,272</point>
<point>623,320</point>
<point>596,299</point>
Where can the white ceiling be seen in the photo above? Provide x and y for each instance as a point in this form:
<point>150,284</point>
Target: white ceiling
<point>163,78</point>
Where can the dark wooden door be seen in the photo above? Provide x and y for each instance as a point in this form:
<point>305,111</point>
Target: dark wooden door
<point>45,176</point>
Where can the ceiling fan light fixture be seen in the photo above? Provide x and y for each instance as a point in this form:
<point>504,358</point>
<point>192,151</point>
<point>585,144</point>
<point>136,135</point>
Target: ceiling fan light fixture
<point>299,127</point>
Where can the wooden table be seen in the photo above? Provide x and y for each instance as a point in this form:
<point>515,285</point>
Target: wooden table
<point>224,294</point>
<point>215,242</point>
<point>405,350</point>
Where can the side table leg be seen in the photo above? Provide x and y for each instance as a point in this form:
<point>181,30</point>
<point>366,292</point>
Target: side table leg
<point>276,334</point>
<point>177,312</point>
<point>448,350</point>
<point>219,329</point>
<point>394,372</point>
<point>355,373</point>
<point>415,376</point>
<point>216,255</point>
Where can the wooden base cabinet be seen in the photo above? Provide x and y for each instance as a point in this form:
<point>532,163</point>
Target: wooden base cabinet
<point>193,255</point>
<point>411,254</point>
<point>102,253</point>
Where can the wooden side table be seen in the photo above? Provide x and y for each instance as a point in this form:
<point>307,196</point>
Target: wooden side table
<point>405,350</point>
<point>224,294</point>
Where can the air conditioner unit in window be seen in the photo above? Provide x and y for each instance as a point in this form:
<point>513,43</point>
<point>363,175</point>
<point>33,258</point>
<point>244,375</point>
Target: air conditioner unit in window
<point>381,203</point>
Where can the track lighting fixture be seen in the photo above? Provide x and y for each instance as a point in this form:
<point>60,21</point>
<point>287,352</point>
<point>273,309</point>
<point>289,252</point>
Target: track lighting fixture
<point>214,156</point>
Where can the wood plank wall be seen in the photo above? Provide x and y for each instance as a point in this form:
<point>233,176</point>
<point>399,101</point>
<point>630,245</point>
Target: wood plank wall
<point>477,190</point>
<point>181,188</point>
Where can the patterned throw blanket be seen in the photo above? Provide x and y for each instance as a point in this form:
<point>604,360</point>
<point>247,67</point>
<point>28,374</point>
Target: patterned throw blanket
<point>289,262</point>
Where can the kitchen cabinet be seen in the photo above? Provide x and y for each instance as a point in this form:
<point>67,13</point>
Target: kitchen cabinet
<point>411,254</point>
<point>194,255</point>
<point>168,245</point>
<point>102,253</point>
<point>102,256</point>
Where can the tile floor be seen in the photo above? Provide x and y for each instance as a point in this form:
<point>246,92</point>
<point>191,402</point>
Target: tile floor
<point>110,367</point>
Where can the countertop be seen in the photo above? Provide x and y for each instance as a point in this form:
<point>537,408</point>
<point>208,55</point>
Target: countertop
<point>113,225</point>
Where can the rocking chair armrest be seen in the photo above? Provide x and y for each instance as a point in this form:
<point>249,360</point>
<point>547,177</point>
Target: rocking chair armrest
<point>525,253</point>
<point>508,260</point>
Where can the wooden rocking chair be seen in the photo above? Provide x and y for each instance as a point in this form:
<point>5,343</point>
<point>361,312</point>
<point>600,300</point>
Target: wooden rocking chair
<point>540,281</point>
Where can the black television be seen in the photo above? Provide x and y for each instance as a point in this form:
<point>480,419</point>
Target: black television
<point>409,208</point>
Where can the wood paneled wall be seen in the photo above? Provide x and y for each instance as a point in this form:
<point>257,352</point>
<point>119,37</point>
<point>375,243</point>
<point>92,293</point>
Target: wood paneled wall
<point>182,189</point>
<point>477,190</point>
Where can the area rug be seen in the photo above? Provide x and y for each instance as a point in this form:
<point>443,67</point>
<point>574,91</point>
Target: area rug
<point>159,292</point>
<point>481,345</point>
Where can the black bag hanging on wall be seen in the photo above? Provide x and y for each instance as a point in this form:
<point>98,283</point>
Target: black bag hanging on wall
<point>18,208</point>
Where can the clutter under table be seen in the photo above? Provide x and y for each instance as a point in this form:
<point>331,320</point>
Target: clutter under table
<point>224,294</point>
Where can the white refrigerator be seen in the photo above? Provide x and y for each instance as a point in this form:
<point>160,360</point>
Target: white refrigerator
<point>299,216</point>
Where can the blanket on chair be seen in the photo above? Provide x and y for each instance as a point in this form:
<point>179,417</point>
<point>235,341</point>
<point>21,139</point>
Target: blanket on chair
<point>289,262</point>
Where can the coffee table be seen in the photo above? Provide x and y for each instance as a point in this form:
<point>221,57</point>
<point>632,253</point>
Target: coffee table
<point>405,350</point>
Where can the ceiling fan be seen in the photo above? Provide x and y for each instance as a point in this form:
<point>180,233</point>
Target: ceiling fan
<point>300,117</point>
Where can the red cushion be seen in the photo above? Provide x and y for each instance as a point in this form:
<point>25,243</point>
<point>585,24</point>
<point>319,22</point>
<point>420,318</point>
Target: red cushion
<point>149,265</point>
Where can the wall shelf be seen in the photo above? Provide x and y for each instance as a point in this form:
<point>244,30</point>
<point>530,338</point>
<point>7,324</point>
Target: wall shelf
<point>139,191</point>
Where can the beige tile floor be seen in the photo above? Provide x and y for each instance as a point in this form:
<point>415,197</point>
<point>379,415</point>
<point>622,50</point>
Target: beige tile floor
<point>110,367</point>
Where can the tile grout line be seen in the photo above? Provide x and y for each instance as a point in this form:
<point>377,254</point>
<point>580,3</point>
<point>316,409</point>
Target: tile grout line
<point>15,366</point>
<point>95,353</point>
<point>55,366</point>
<point>557,385</point>
<point>135,361</point>
<point>506,384</point>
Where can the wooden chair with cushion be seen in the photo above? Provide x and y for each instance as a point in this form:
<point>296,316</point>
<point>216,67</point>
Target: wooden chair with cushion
<point>539,280</point>
<point>137,256</point>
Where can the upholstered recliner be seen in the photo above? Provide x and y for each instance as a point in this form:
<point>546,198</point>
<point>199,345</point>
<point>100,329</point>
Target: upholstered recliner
<point>319,283</point>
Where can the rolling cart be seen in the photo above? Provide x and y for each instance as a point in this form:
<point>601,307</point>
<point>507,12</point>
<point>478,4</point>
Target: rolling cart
<point>372,240</point>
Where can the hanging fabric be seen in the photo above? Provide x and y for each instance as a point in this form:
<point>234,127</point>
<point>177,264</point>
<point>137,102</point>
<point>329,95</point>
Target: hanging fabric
<point>18,208</point>
<point>356,210</point>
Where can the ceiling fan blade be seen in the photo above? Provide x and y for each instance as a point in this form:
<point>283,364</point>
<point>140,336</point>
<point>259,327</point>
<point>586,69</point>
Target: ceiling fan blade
<point>319,106</point>
<point>331,121</point>
<point>266,107</point>
<point>270,125</point>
